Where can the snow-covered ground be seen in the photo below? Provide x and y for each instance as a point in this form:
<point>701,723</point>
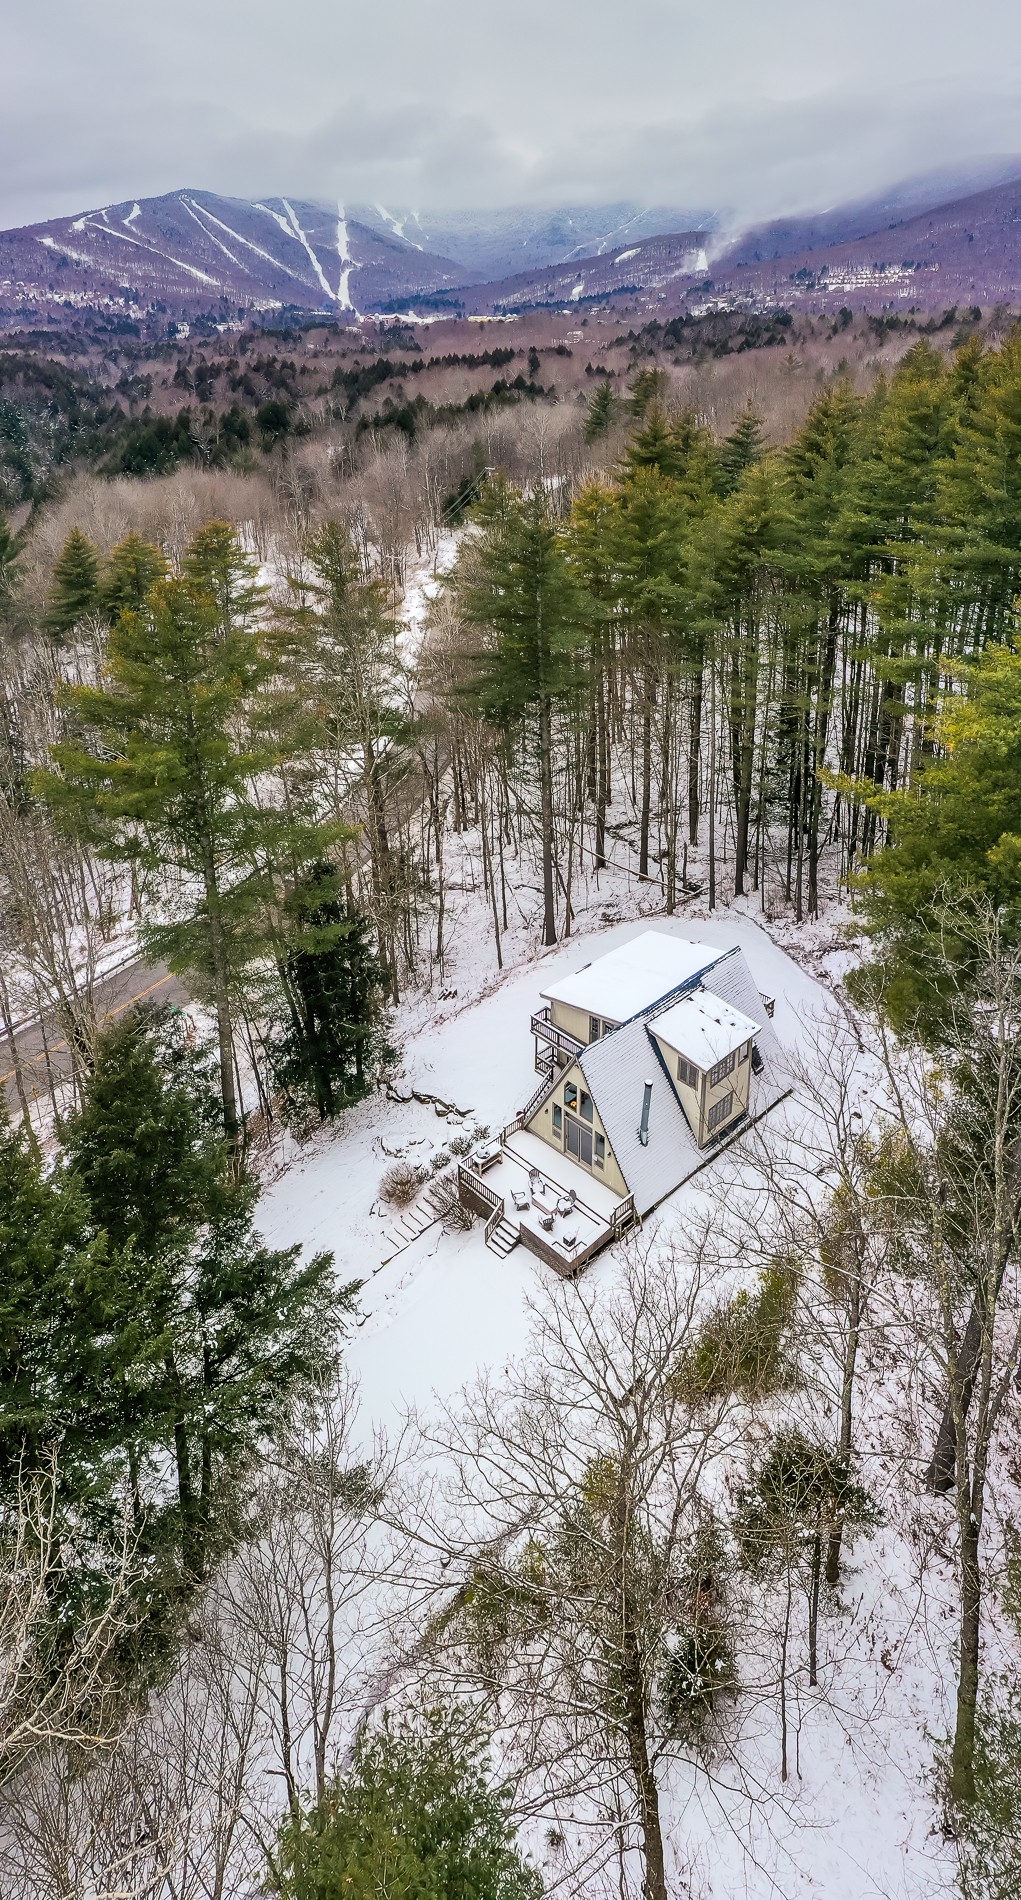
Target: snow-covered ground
<point>857,1819</point>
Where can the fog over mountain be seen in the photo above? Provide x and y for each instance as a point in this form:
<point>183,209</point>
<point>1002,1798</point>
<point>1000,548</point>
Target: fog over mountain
<point>756,111</point>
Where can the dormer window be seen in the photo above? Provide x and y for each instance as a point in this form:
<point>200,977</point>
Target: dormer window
<point>687,1072</point>
<point>595,1028</point>
<point>721,1070</point>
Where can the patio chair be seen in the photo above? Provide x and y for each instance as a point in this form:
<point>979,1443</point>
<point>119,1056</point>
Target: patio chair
<point>520,1199</point>
<point>546,1222</point>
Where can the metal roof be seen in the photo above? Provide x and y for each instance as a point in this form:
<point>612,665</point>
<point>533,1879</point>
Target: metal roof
<point>617,1068</point>
<point>634,976</point>
<point>705,1028</point>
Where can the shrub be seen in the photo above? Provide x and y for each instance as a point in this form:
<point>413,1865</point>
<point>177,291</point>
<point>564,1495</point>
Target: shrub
<point>741,1347</point>
<point>401,1182</point>
<point>697,1672</point>
<point>439,1160</point>
<point>449,1206</point>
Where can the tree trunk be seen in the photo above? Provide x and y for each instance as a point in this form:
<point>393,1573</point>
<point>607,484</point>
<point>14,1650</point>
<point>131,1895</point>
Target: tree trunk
<point>221,995</point>
<point>549,911</point>
<point>962,1769</point>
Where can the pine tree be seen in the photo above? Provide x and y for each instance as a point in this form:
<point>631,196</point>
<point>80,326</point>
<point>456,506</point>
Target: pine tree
<point>601,410</point>
<point>131,572</point>
<point>323,1056</point>
<point>526,603</point>
<point>172,784</point>
<point>414,1818</point>
<point>74,588</point>
<point>216,1330</point>
<point>739,450</point>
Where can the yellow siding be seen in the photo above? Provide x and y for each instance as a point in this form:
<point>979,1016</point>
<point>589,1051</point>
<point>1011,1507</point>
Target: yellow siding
<point>541,1124</point>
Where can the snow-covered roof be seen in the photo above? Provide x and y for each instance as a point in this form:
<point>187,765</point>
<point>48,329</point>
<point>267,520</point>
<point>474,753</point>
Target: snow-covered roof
<point>617,1068</point>
<point>704,1028</point>
<point>631,978</point>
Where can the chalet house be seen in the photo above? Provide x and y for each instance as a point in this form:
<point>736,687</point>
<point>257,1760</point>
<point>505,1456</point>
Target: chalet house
<point>652,1057</point>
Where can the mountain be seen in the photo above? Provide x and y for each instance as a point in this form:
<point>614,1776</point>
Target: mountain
<point>651,268</point>
<point>964,251</point>
<point>193,250</point>
<point>864,216</point>
<point>505,242</point>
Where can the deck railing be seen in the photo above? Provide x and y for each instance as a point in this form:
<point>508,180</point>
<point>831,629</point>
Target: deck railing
<point>482,1192</point>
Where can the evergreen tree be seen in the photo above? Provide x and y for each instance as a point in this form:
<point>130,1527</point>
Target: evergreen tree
<point>131,573</point>
<point>172,783</point>
<point>323,1056</point>
<point>414,1819</point>
<point>739,450</point>
<point>525,601</point>
<point>602,408</point>
<point>799,1493</point>
<point>74,588</point>
<point>215,1331</point>
<point>956,833</point>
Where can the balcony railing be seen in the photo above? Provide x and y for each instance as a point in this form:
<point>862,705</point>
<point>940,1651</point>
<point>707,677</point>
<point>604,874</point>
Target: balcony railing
<point>545,1030</point>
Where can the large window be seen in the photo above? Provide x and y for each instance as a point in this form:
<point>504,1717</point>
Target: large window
<point>558,1119</point>
<point>600,1150</point>
<point>571,1094</point>
<point>721,1111</point>
<point>578,1141</point>
<point>687,1072</point>
<point>722,1069</point>
<point>585,1107</point>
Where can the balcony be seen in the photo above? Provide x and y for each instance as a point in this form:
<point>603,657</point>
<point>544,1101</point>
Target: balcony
<point>557,1041</point>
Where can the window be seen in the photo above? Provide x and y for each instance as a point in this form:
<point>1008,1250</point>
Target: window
<point>722,1069</point>
<point>558,1119</point>
<point>578,1141</point>
<point>586,1107</point>
<point>594,1028</point>
<point>687,1072</point>
<point>722,1110</point>
<point>600,1150</point>
<point>570,1094</point>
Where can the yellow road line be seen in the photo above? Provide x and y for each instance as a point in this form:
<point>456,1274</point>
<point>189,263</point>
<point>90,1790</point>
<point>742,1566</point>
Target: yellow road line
<point>55,1047</point>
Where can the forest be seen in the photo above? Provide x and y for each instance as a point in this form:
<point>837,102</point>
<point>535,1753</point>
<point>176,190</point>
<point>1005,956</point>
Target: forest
<point>760,665</point>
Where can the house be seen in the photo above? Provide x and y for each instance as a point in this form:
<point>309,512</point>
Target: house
<point>653,1057</point>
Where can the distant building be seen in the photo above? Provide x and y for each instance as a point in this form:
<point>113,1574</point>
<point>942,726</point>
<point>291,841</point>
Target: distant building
<point>652,1057</point>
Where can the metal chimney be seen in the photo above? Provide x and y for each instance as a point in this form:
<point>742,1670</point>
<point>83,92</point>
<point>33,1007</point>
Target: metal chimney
<point>643,1128</point>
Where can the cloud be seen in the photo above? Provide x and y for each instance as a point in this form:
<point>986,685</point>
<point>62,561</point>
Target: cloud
<point>752,107</point>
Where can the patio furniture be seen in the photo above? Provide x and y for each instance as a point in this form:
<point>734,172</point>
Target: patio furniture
<point>487,1157</point>
<point>546,1222</point>
<point>520,1199</point>
<point>565,1207</point>
<point>570,1241</point>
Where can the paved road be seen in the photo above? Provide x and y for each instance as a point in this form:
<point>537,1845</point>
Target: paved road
<point>41,1041</point>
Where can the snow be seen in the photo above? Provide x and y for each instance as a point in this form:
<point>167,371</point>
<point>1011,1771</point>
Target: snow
<point>857,1817</point>
<point>134,213</point>
<point>313,259</point>
<point>347,261</point>
<point>423,586</point>
<point>704,1028</point>
<point>257,248</point>
<point>630,978</point>
<point>193,212</point>
<point>622,259</point>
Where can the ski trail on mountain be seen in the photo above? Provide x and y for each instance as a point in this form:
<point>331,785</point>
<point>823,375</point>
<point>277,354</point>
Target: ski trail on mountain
<point>192,211</point>
<point>107,230</point>
<point>248,243</point>
<point>346,260</point>
<point>312,258</point>
<point>135,212</point>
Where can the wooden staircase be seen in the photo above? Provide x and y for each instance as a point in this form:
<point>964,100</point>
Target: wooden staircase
<point>504,1238</point>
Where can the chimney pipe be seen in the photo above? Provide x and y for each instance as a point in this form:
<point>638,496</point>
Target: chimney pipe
<point>643,1129</point>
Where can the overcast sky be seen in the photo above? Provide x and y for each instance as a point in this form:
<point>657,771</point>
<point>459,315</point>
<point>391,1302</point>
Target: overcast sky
<point>759,106</point>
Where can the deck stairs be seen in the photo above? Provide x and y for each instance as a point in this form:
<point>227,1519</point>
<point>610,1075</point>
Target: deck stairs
<point>504,1238</point>
<point>412,1222</point>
